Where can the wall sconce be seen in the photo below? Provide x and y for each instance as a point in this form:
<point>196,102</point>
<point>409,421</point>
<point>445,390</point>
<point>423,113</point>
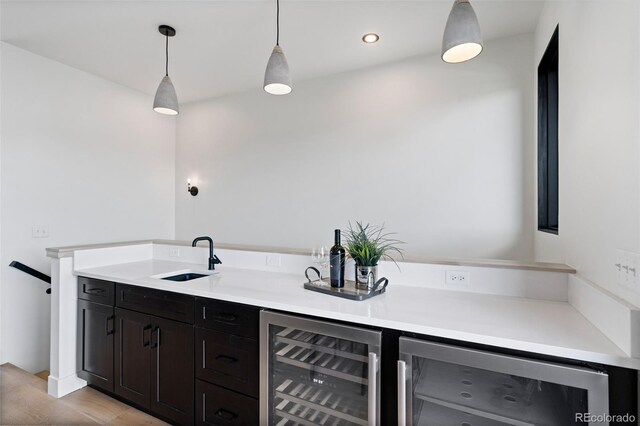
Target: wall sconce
<point>193,190</point>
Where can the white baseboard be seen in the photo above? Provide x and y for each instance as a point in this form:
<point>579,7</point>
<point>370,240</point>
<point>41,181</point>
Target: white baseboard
<point>58,388</point>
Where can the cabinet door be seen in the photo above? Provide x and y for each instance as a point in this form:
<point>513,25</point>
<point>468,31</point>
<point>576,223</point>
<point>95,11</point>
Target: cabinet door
<point>133,331</point>
<point>172,370</point>
<point>95,344</point>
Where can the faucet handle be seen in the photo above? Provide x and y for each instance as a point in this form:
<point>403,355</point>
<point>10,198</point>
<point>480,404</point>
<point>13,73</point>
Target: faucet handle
<point>213,261</point>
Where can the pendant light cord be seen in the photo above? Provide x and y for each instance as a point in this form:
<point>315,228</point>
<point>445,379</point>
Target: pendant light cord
<point>166,64</point>
<point>277,22</point>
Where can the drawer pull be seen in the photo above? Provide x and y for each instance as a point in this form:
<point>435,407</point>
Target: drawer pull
<point>96,290</point>
<point>226,318</point>
<point>226,415</point>
<point>227,359</point>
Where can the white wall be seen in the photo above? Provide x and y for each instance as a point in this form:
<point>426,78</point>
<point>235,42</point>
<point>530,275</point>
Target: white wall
<point>442,154</point>
<point>599,136</point>
<point>86,157</point>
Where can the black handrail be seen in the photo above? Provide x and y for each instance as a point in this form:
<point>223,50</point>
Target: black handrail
<point>28,270</point>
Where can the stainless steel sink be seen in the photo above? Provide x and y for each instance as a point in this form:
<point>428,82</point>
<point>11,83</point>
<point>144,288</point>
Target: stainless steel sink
<point>185,277</point>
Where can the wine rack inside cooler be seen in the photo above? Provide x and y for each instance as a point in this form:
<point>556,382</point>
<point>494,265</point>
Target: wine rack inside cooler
<point>317,378</point>
<point>481,397</point>
<point>452,385</point>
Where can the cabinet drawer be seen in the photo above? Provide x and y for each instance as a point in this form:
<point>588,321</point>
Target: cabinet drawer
<point>97,291</point>
<point>227,360</point>
<point>164,304</point>
<point>233,318</point>
<point>218,406</point>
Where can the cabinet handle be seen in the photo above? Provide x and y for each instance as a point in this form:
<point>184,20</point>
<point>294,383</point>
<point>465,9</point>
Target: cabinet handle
<point>204,354</point>
<point>157,342</point>
<point>226,358</point>
<point>109,330</point>
<point>226,318</point>
<point>145,342</point>
<point>373,388</point>
<point>96,290</point>
<point>402,393</point>
<point>204,408</point>
<point>226,415</point>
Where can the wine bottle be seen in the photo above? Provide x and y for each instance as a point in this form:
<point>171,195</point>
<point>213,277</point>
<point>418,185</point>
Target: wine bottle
<point>337,260</point>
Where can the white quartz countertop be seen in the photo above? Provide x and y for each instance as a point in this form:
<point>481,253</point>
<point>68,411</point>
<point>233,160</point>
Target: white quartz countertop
<point>551,328</point>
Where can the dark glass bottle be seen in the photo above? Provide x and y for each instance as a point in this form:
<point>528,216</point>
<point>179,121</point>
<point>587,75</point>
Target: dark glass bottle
<point>337,260</point>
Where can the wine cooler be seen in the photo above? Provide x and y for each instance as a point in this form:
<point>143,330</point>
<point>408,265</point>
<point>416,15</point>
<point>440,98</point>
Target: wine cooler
<point>448,385</point>
<point>317,373</point>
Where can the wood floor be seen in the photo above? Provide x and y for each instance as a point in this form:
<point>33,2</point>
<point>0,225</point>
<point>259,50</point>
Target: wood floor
<point>24,401</point>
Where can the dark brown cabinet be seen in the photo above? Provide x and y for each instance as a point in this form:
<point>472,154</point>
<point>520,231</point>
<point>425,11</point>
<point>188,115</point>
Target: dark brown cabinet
<point>95,344</point>
<point>227,360</point>
<point>154,365</point>
<point>132,367</point>
<point>172,375</point>
<point>218,406</point>
<point>227,363</point>
<point>160,303</point>
<point>227,317</point>
<point>184,359</point>
<point>97,291</point>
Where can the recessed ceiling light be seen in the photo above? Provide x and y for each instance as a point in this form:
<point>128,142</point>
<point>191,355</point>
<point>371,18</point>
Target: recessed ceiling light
<point>370,38</point>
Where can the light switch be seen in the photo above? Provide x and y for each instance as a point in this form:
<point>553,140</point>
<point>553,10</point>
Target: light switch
<point>40,231</point>
<point>626,268</point>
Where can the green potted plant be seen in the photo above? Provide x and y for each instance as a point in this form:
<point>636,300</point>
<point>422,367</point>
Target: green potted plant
<point>366,245</point>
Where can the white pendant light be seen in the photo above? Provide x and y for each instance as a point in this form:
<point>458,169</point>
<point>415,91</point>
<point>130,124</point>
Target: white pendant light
<point>277,80</point>
<point>462,39</point>
<point>166,100</point>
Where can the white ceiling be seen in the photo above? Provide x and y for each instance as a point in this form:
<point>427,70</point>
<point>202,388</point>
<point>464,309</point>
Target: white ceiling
<point>223,46</point>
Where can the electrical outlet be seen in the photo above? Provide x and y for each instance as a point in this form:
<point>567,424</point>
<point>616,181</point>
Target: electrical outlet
<point>174,252</point>
<point>40,231</point>
<point>274,260</point>
<point>458,277</point>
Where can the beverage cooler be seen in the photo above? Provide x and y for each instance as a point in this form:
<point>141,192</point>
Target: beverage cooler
<point>447,385</point>
<point>317,373</point>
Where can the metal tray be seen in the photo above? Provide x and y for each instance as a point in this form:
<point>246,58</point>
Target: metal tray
<point>349,291</point>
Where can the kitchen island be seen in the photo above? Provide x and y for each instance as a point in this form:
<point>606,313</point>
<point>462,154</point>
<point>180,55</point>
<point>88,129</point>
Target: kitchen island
<point>552,328</point>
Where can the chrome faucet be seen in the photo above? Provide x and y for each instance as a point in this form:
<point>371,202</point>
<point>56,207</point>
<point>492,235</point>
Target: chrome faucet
<point>213,259</point>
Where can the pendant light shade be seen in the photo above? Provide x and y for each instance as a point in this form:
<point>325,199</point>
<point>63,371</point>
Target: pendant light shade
<point>277,79</point>
<point>462,39</point>
<point>166,100</point>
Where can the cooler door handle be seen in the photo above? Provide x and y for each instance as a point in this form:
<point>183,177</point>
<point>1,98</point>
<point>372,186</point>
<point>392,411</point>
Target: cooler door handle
<point>373,388</point>
<point>402,393</point>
